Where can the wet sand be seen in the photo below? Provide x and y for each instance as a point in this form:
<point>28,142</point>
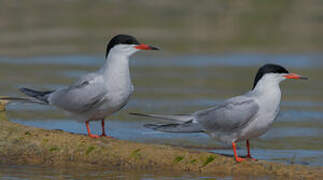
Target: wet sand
<point>21,145</point>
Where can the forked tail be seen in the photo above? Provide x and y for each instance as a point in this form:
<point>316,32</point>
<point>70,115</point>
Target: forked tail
<point>177,117</point>
<point>41,97</point>
<point>188,127</point>
<point>185,123</point>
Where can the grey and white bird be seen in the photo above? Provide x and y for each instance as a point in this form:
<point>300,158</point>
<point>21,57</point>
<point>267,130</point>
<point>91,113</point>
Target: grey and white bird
<point>99,94</point>
<point>237,119</point>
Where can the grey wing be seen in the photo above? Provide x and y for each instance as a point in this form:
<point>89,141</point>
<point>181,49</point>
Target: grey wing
<point>82,96</point>
<point>229,116</point>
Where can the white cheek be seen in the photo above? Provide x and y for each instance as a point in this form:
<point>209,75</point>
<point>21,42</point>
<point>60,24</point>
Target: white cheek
<point>124,49</point>
<point>282,77</point>
<point>133,50</point>
<point>129,49</point>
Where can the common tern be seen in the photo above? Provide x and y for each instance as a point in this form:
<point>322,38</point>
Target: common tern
<point>99,94</point>
<point>237,119</point>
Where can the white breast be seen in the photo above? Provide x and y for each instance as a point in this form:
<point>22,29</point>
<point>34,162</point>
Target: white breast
<point>269,106</point>
<point>116,79</point>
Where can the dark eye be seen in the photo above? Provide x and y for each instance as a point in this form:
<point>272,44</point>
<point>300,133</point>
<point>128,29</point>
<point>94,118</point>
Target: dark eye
<point>129,41</point>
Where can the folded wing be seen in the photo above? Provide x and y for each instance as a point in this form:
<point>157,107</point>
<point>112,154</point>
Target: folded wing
<point>81,97</point>
<point>233,114</point>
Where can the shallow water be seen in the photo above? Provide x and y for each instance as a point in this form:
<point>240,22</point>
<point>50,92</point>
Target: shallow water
<point>180,84</point>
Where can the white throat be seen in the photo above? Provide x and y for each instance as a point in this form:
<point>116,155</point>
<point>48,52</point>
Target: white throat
<point>268,91</point>
<point>116,70</point>
<point>265,87</point>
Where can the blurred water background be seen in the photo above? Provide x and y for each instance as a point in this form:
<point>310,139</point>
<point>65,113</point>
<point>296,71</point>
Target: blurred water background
<point>210,51</point>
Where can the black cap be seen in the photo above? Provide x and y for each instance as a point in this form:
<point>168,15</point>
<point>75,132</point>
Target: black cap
<point>268,68</point>
<point>120,39</point>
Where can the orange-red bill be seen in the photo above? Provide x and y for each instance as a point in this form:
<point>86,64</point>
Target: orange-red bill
<point>146,47</point>
<point>295,76</point>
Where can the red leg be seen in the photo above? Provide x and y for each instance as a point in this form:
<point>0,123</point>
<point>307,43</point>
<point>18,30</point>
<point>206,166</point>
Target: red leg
<point>248,148</point>
<point>237,158</point>
<point>103,129</point>
<point>89,131</point>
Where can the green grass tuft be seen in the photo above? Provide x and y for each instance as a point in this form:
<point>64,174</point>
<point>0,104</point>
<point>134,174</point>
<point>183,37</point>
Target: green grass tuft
<point>136,154</point>
<point>89,150</point>
<point>178,159</point>
<point>52,149</point>
<point>208,160</point>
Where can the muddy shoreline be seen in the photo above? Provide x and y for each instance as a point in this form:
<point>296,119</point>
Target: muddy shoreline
<point>55,148</point>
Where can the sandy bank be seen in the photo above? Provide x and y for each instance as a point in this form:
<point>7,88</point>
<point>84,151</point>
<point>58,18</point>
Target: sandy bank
<point>33,146</point>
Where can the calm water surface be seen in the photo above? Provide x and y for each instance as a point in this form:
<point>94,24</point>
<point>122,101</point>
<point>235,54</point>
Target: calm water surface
<point>176,84</point>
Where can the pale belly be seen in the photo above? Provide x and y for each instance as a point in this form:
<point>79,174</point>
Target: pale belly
<point>257,127</point>
<point>111,105</point>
